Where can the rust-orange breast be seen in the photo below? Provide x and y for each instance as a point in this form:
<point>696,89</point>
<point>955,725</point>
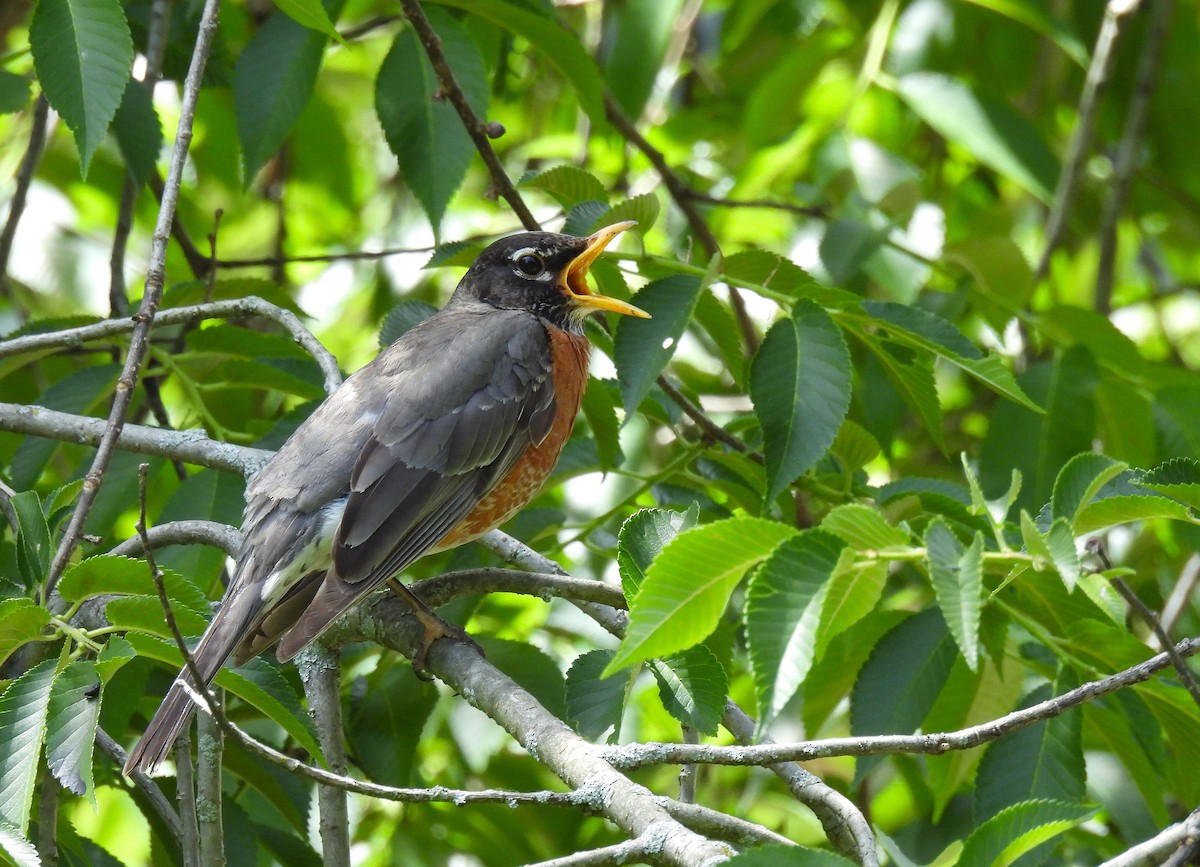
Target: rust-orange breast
<point>569,364</point>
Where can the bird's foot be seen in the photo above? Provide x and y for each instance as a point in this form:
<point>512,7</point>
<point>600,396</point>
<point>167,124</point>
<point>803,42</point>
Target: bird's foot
<point>433,628</point>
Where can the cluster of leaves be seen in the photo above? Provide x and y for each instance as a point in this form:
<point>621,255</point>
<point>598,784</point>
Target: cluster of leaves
<point>824,556</point>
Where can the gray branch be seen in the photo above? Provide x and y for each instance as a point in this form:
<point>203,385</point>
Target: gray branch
<point>319,673</point>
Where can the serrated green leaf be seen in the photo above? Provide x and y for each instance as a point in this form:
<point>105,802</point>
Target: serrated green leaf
<point>17,847</point>
<point>914,382</point>
<point>453,254</point>
<point>863,528</point>
<point>595,703</point>
<point>144,613</point>
<point>108,573</point>
<point>957,576</point>
<point>1061,543</point>
<point>1099,589</point>
<point>582,218</point>
<point>638,34</point>
<point>1034,542</point>
<point>558,45</point>
<point>71,727</point>
<point>991,131</point>
<point>21,621</point>
<point>693,687</point>
<point>256,683</point>
<point>601,415</point>
<point>643,347</point>
<point>800,383</point>
<point>531,668</point>
<point>852,592</point>
<point>641,539</point>
<point>138,131</point>
<point>82,52</point>
<point>384,725</point>
<point>33,538</point>
<point>569,185</point>
<point>784,600</point>
<point>23,709</point>
<point>642,209</point>
<point>116,652</point>
<point>1111,511</point>
<point>272,85</point>
<point>14,92</point>
<point>424,132</point>
<point>901,679</point>
<point>978,502</point>
<point>1044,760</point>
<point>854,447</point>
<point>1079,481</point>
<point>1017,829</point>
<point>688,586</point>
<point>208,495</point>
<point>1178,478</point>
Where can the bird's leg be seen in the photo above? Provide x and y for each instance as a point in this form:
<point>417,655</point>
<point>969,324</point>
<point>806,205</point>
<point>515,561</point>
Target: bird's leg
<point>434,627</point>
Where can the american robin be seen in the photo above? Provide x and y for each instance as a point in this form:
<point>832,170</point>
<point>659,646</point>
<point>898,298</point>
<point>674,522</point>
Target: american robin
<point>445,435</point>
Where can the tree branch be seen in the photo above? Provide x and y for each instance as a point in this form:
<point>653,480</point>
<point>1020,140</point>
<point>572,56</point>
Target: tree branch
<point>153,794</point>
<point>318,667</point>
<point>1158,848</point>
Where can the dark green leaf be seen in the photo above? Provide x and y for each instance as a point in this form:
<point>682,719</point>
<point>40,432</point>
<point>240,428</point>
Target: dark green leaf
<point>14,92</point>
<point>641,539</point>
<point>783,277</point>
<point>601,417</point>
<point>138,131</point>
<point>583,217</point>
<point>637,34</point>
<point>1019,828</point>
<point>531,668</point>
<point>1178,479</point>
<point>957,576</point>
<point>595,703</point>
<point>388,710</point>
<point>21,621</point>
<point>33,538</point>
<point>569,185</point>
<point>643,347</point>
<point>108,573</point>
<point>82,53</point>
<point>693,687</point>
<point>800,384</point>
<point>717,321</point>
<point>1079,481</point>
<point>425,132</point>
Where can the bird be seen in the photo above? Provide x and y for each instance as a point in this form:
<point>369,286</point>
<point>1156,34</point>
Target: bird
<point>445,435</point>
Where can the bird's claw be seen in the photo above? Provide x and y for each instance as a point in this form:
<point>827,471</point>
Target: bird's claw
<point>433,629</point>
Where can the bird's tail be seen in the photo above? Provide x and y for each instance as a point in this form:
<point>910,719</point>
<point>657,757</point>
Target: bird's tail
<point>223,634</point>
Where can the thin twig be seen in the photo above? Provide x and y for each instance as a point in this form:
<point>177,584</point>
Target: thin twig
<point>48,798</point>
<point>937,743</point>
<point>232,308</point>
<point>688,773</point>
<point>185,794</point>
<point>635,851</point>
<point>476,128</point>
<point>1164,640</point>
<point>209,818</point>
<point>16,207</point>
<point>155,278</point>
<point>148,788</point>
<point>1103,56</point>
<point>1127,152</point>
<point>319,673</point>
<point>816,211</point>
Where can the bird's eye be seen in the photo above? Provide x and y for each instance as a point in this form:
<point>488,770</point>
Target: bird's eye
<point>530,264</point>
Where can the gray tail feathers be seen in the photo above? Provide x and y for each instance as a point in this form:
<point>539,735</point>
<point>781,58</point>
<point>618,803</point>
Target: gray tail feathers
<point>227,629</point>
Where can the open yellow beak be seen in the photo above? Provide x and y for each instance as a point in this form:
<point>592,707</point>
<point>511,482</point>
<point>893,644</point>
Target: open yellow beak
<point>575,277</point>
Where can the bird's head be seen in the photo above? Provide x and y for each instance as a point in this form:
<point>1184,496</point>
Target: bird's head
<point>544,273</point>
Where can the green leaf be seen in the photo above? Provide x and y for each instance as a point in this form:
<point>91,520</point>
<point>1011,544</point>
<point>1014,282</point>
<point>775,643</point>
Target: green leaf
<point>1043,760</point>
<point>71,727</point>
<point>854,447</point>
<point>642,538</point>
<point>643,209</point>
<point>272,85</point>
<point>583,218</point>
<point>800,383</point>
<point>901,679</point>
<point>957,576</point>
<point>783,609</point>
<point>17,848</point>
<point>1061,542</point>
<point>311,14</point>
<point>14,92</point>
<point>388,710</point>
<point>138,131</point>
<point>1017,829</point>
<point>425,132</point>
<point>864,528</point>
<point>1111,511</point>
<point>109,573</point>
<point>1079,481</point>
<point>784,278</point>
<point>144,613</point>
<point>560,47</point>
<point>693,687</point>
<point>569,185</point>
<point>601,417</point>
<point>688,586</point>
<point>643,347</point>
<point>23,709</point>
<point>256,683</point>
<point>82,53</point>
<point>529,667</point>
<point>852,592</point>
<point>21,621</point>
<point>459,254</point>
<point>991,131</point>
<point>912,377</point>
<point>595,703</point>
<point>1042,22</point>
<point>921,329</point>
<point>1001,273</point>
<point>1178,478</point>
<point>33,538</point>
<point>116,652</point>
<point>715,317</point>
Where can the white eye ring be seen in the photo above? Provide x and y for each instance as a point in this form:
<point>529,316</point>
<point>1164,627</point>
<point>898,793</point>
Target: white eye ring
<point>529,263</point>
